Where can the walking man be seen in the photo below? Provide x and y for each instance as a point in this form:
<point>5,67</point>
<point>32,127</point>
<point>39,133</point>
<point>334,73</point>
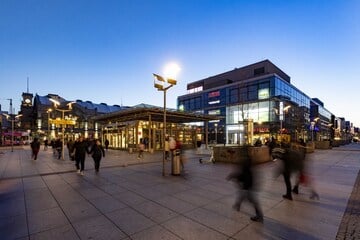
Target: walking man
<point>80,150</point>
<point>35,147</point>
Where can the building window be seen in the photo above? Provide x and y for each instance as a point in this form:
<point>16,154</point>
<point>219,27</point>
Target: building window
<point>234,95</point>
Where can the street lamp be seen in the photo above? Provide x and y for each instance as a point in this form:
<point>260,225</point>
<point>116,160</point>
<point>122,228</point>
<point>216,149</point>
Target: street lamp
<point>313,127</point>
<point>281,112</point>
<point>163,84</point>
<point>48,112</point>
<point>62,121</point>
<point>216,133</point>
<point>12,118</point>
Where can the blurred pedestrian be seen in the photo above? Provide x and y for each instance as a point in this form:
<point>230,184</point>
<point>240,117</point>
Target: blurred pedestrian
<point>244,178</point>
<point>198,146</point>
<point>292,161</point>
<point>58,147</point>
<point>141,148</point>
<point>52,144</point>
<point>35,147</point>
<point>97,151</point>
<point>107,144</point>
<point>70,146</point>
<point>46,144</point>
<point>80,150</point>
<point>303,177</point>
<point>272,144</point>
<point>167,148</point>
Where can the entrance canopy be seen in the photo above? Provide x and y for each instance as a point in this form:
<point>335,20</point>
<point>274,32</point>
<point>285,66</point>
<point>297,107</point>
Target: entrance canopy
<point>145,112</point>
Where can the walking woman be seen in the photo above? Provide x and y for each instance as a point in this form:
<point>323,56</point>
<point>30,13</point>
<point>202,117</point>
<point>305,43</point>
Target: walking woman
<point>97,151</point>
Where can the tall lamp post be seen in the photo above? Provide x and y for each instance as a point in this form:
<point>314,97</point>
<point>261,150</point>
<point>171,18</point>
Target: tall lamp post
<point>216,133</point>
<point>163,84</point>
<point>62,121</point>
<point>313,128</point>
<point>12,118</point>
<point>281,112</point>
<point>48,112</point>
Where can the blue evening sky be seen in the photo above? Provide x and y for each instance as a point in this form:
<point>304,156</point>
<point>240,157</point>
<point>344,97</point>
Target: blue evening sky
<point>106,51</point>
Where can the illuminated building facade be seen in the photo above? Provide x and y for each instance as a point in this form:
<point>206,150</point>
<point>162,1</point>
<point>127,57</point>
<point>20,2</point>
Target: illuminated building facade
<point>254,102</point>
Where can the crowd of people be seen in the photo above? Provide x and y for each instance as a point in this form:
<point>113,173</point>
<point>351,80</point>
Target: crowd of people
<point>292,164</point>
<point>77,150</point>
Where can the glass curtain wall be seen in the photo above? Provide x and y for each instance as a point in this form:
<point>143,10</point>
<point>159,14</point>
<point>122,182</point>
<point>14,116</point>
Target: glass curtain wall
<point>259,102</point>
<point>236,121</point>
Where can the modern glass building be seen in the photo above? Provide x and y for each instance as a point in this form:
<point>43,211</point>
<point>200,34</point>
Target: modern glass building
<point>254,102</point>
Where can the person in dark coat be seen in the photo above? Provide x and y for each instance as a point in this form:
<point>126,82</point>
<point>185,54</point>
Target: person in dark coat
<point>302,176</point>
<point>244,177</point>
<point>35,147</point>
<point>70,146</point>
<point>58,147</point>
<point>293,161</point>
<point>107,144</point>
<point>272,144</point>
<point>80,150</point>
<point>97,151</point>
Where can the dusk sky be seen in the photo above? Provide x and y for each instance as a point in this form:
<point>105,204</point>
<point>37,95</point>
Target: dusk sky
<point>106,51</point>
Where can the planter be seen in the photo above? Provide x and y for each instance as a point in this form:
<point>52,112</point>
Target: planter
<point>322,145</point>
<point>236,154</point>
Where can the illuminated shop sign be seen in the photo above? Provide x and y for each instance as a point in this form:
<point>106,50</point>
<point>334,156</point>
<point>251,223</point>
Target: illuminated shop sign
<point>214,102</point>
<point>214,112</point>
<point>263,93</point>
<point>214,94</point>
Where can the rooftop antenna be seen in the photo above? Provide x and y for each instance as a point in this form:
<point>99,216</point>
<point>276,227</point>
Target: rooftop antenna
<point>27,86</point>
<point>11,108</point>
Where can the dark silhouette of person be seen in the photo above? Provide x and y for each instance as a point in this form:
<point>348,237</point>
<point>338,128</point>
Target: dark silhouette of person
<point>80,150</point>
<point>141,148</point>
<point>244,177</point>
<point>302,176</point>
<point>35,147</point>
<point>70,146</point>
<point>293,161</point>
<point>97,151</point>
<point>58,147</point>
<point>272,144</point>
<point>107,144</point>
<point>46,144</point>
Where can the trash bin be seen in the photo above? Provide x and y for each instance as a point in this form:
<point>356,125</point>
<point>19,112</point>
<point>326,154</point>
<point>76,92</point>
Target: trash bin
<point>175,163</point>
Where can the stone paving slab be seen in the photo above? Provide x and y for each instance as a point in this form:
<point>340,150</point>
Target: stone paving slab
<point>130,199</point>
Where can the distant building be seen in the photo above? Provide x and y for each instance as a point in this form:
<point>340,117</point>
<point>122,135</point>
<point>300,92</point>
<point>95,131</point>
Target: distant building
<point>76,116</point>
<point>257,101</point>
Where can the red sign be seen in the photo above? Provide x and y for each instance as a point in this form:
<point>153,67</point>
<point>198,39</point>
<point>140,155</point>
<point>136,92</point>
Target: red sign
<point>261,130</point>
<point>214,94</point>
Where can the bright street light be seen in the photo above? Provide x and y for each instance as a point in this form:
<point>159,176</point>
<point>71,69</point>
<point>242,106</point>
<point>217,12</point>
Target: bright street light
<point>281,112</point>
<point>63,121</point>
<point>171,71</point>
<point>48,112</point>
<point>163,84</point>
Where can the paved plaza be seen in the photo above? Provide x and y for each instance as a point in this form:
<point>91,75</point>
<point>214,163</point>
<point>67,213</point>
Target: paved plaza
<point>130,199</point>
